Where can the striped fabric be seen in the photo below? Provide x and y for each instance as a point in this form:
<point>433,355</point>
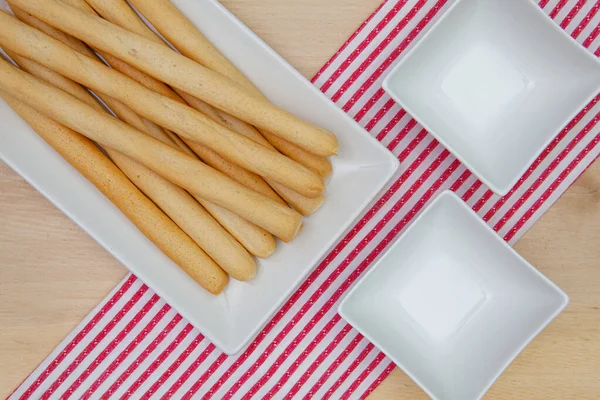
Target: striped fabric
<point>135,346</point>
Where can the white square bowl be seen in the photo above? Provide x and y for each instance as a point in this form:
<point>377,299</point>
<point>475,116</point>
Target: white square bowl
<point>451,303</point>
<point>494,82</point>
<point>232,319</point>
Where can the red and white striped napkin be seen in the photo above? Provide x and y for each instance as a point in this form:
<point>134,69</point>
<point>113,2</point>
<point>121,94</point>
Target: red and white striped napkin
<point>134,345</point>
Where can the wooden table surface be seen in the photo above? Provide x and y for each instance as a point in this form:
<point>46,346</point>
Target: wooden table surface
<point>52,274</point>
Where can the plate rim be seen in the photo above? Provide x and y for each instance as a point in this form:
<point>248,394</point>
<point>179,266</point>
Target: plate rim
<point>385,168</point>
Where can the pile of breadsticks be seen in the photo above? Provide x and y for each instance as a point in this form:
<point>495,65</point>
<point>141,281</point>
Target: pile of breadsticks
<point>183,144</point>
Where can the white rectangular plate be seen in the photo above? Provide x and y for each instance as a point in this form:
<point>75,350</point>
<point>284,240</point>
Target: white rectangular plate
<point>232,319</point>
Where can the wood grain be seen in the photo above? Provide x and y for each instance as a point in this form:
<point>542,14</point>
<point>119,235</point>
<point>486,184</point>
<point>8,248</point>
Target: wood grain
<point>52,273</point>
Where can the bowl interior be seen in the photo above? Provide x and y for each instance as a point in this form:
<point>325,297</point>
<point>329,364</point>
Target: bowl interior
<point>494,81</point>
<point>451,303</point>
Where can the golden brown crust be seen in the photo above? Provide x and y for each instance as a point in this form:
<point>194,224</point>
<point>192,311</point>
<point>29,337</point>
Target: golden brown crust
<point>182,73</point>
<point>84,156</point>
<point>173,165</point>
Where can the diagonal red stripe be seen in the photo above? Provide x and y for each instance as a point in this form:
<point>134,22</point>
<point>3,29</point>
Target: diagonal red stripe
<point>402,134</point>
<point>586,20</point>
<point>370,236</point>
<point>476,185</point>
<point>115,342</point>
<point>543,3</point>
<point>175,365</point>
<point>389,60</point>
<point>311,346</point>
<point>382,111</point>
<point>79,337</point>
<point>378,50</point>
<point>141,357</point>
<point>370,37</point>
<point>350,40</point>
<point>198,384</point>
<point>541,158</point>
<point>386,372</point>
<point>316,341</point>
<point>486,196</point>
<point>368,105</point>
<point>333,367</point>
<point>363,375</point>
<point>592,36</point>
<point>461,180</point>
<point>559,6</point>
<point>569,17</point>
<point>94,342</point>
<point>189,371</point>
<point>313,367</point>
<point>544,175</point>
<point>391,125</point>
<point>131,347</point>
<point>563,175</point>
<point>363,354</point>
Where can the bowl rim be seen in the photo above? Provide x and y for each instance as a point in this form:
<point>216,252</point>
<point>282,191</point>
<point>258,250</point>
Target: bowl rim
<point>503,189</point>
<point>448,195</point>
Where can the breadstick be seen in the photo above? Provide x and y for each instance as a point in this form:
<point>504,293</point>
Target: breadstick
<point>320,165</point>
<point>235,172</point>
<point>123,67</point>
<point>77,45</point>
<point>195,46</point>
<point>52,78</point>
<point>118,12</point>
<point>164,111</point>
<point>304,205</point>
<point>212,158</point>
<point>121,14</point>
<point>85,157</point>
<point>185,37</point>
<point>172,164</point>
<point>80,47</point>
<point>192,218</point>
<point>301,203</point>
<point>182,73</point>
<point>179,205</point>
<point>176,28</point>
<point>255,239</point>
